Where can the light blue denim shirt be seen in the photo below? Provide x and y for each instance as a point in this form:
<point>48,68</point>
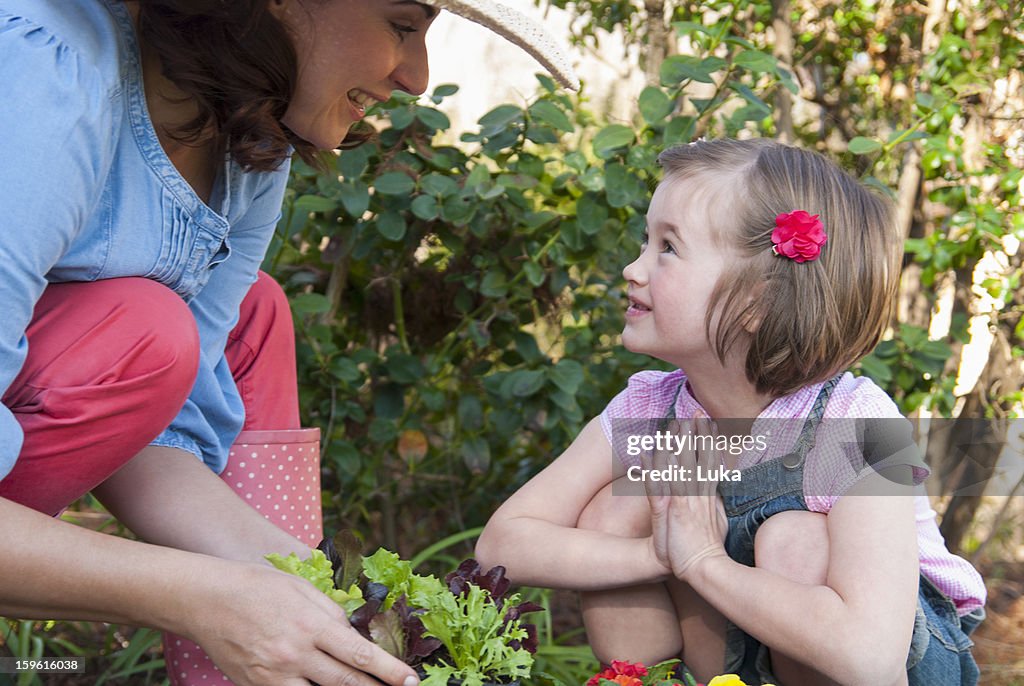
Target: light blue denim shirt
<point>87,193</point>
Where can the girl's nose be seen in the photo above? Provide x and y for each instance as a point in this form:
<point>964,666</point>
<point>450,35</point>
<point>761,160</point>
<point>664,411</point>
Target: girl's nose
<point>634,271</point>
<point>413,73</point>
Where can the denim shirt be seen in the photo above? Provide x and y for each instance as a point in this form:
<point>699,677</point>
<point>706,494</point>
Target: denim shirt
<point>87,193</point>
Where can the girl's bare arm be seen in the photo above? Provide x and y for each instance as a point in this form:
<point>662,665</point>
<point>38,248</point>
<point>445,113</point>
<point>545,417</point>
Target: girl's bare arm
<point>855,628</point>
<point>534,535</point>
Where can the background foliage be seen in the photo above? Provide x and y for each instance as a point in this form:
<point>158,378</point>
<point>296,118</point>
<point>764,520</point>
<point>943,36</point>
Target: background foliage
<point>458,295</point>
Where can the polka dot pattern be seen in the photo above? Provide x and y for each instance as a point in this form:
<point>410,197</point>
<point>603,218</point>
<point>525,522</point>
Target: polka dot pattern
<point>278,474</point>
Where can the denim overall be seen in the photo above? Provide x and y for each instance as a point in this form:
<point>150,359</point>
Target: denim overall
<point>940,648</point>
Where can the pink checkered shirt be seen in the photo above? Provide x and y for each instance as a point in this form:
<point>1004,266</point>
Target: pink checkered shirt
<point>828,470</point>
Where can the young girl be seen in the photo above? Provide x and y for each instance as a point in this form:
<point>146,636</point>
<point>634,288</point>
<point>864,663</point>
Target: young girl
<point>766,272</point>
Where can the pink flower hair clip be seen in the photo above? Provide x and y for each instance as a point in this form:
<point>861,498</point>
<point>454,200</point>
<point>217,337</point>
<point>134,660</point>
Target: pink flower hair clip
<point>798,236</point>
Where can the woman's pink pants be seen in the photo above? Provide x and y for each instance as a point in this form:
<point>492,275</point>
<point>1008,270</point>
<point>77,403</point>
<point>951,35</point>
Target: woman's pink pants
<point>111,362</point>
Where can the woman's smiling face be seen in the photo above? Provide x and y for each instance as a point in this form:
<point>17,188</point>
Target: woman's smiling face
<point>351,54</point>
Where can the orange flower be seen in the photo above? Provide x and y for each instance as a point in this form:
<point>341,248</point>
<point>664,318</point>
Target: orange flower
<point>621,673</point>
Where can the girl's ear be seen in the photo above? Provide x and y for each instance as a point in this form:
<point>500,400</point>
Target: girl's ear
<point>753,314</point>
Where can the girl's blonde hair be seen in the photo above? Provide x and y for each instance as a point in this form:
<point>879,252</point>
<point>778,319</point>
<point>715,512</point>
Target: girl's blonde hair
<point>808,321</point>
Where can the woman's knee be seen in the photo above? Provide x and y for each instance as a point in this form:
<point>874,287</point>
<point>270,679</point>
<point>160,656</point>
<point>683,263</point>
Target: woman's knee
<point>620,515</point>
<point>166,346</point>
<point>264,311</point>
<point>794,545</point>
<point>112,331</point>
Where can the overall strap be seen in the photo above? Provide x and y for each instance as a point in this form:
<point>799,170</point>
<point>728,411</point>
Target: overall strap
<point>671,411</point>
<point>805,441</point>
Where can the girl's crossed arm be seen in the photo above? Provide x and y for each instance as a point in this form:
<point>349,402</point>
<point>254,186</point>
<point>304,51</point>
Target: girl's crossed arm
<point>534,533</point>
<point>856,626</point>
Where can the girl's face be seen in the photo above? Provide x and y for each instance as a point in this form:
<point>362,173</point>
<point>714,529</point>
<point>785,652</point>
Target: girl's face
<point>351,53</point>
<point>671,282</point>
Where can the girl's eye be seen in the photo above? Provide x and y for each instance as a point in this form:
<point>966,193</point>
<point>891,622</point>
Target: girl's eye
<point>668,248</point>
<point>402,30</point>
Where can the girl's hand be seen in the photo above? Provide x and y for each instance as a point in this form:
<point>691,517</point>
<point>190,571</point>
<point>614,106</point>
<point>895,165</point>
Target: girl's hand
<point>264,627</point>
<point>687,516</point>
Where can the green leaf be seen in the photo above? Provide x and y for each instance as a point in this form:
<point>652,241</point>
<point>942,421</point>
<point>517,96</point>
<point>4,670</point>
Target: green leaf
<point>756,61</point>
<point>478,176</point>
<point>654,104</point>
<point>679,130</point>
<point>425,207</point>
<point>310,303</point>
<point>405,369</point>
<point>470,413</point>
<point>355,198</point>
<point>877,370</point>
<point>345,369</point>
<point>938,351</point>
<point>523,383</point>
<point>611,138</point>
<point>401,117</point>
<point>439,184</point>
<point>494,284</point>
<point>548,113</point>
<point>591,214</point>
<point>567,375</point>
<point>388,401</point>
<point>394,183</point>
<point>925,100</point>
<point>862,146</point>
<point>317,570</point>
<point>526,346</point>
<point>786,77</point>
<point>500,118</point>
<point>457,210</point>
<point>314,203</point>
<point>353,162</point>
<point>391,225</point>
<point>622,188</point>
<point>445,90</point>
<point>679,68</point>
<point>534,273</point>
<point>476,455</point>
<point>433,119</point>
<point>688,28</point>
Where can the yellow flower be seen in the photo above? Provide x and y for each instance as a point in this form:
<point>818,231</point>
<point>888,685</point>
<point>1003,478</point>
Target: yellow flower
<point>726,680</point>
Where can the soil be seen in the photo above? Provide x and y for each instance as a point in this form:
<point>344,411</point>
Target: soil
<point>999,640</point>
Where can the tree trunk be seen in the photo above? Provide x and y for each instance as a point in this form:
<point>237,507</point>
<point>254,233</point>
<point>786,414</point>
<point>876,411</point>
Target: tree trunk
<point>659,39</point>
<point>914,307</point>
<point>783,51</point>
<point>978,441</point>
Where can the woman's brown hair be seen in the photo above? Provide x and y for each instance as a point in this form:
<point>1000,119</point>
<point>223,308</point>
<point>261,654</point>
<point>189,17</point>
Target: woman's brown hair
<point>238,62</point>
<point>805,322</point>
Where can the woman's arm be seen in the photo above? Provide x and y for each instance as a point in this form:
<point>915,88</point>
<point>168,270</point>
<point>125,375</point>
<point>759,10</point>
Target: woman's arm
<point>261,626</point>
<point>855,628</point>
<point>534,535</point>
<point>169,497</point>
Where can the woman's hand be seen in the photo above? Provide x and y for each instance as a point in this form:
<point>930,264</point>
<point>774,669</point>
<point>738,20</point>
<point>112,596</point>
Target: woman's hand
<point>264,627</point>
<point>688,520</point>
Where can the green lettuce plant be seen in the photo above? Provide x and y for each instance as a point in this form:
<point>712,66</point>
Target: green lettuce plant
<point>467,629</point>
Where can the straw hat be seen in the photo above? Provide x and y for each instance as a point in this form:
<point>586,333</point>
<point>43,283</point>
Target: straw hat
<point>517,28</point>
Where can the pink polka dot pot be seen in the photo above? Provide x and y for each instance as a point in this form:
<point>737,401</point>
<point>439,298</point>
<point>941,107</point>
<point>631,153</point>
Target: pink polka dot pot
<point>278,474</point>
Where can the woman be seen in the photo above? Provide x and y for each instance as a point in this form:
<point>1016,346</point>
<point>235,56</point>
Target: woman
<point>151,139</point>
